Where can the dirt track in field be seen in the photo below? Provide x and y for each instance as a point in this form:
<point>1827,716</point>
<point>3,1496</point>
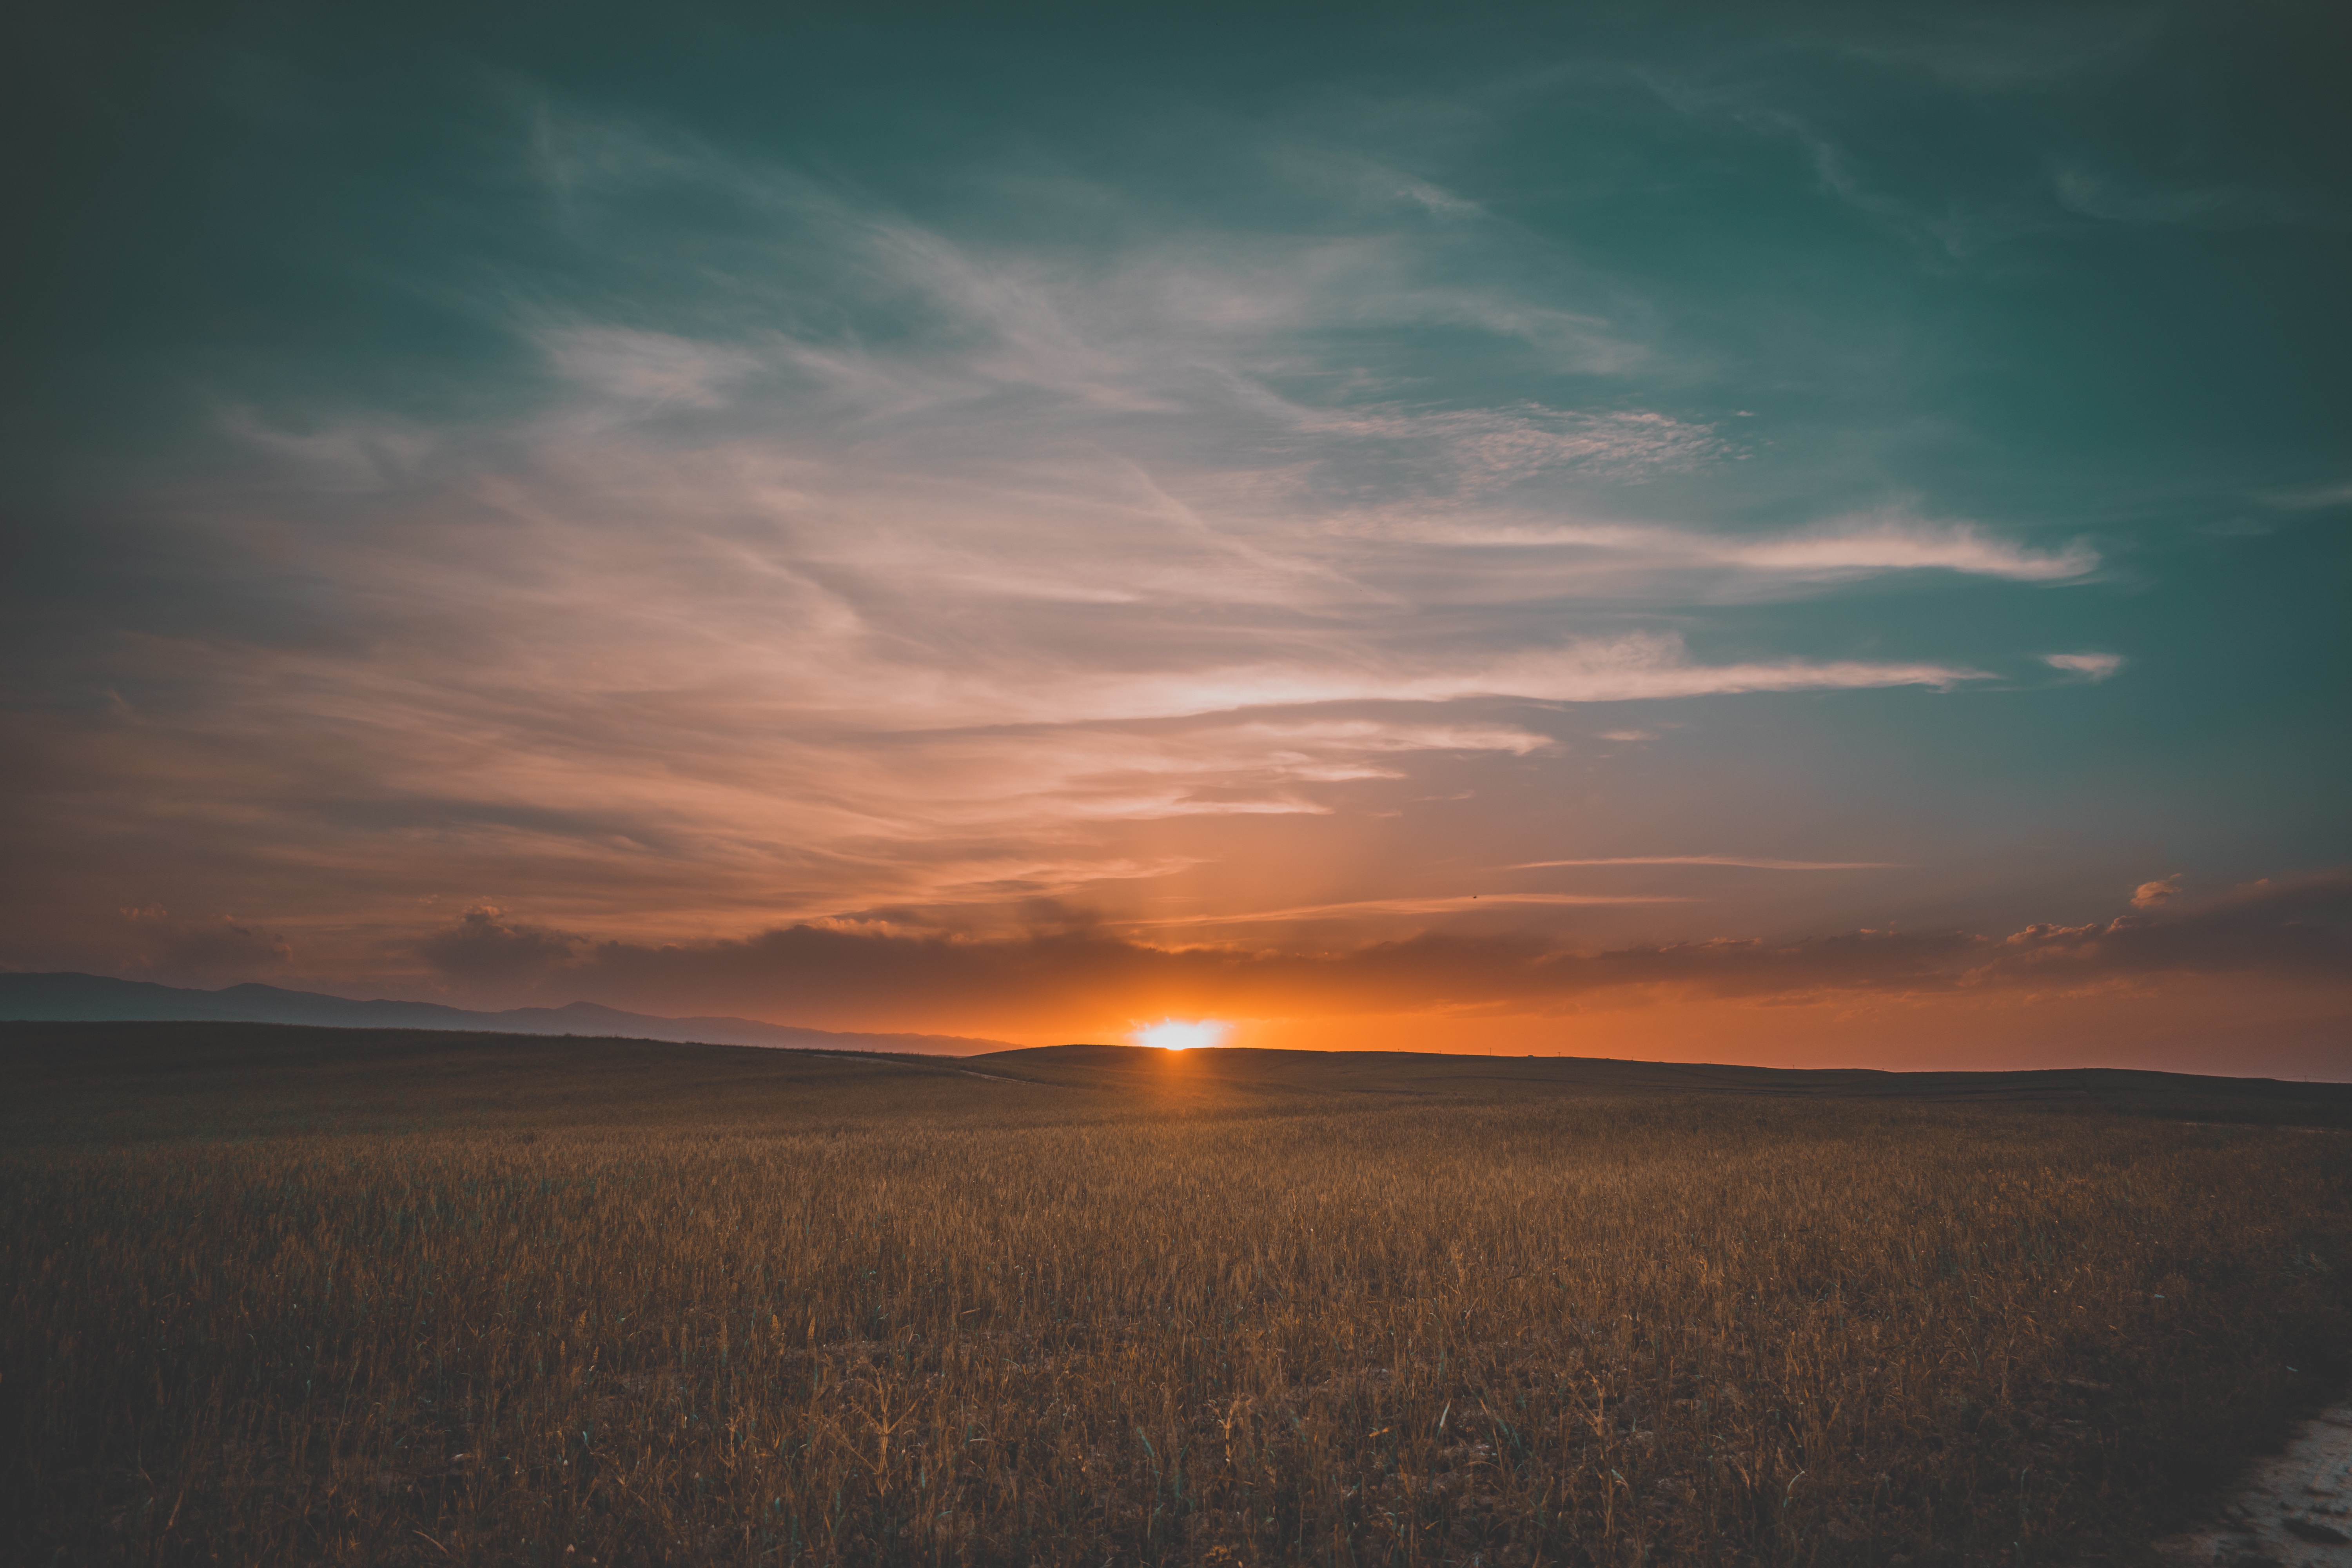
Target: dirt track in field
<point>2293,1510</point>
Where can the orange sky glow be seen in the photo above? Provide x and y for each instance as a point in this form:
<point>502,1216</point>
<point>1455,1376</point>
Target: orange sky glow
<point>1704,543</point>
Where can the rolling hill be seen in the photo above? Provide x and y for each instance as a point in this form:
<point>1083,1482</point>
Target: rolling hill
<point>94,998</point>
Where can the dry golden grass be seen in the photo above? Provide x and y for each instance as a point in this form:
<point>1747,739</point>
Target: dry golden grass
<point>572,1302</point>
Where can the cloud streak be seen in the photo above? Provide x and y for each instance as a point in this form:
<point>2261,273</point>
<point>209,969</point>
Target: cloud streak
<point>1751,862</point>
<point>1465,903</point>
<point>2299,930</point>
<point>848,563</point>
<point>2093,667</point>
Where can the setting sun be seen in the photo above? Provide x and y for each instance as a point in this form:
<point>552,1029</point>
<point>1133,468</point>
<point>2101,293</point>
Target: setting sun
<point>1173,1035</point>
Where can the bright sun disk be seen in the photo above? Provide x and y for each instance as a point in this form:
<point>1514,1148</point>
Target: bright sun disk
<point>1173,1035</point>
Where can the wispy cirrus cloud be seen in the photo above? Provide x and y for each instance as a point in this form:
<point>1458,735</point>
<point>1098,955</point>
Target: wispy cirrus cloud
<point>2112,200</point>
<point>2312,498</point>
<point>1512,554</point>
<point>880,565</point>
<point>2091,667</point>
<point>649,368</point>
<point>1899,542</point>
<point>1475,452</point>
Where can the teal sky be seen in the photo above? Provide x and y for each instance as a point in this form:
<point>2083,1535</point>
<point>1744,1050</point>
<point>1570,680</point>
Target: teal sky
<point>1752,530</point>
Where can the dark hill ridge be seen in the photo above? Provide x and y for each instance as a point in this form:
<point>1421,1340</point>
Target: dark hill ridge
<point>1430,1073</point>
<point>339,1031</point>
<point>94,998</point>
<point>95,1084</point>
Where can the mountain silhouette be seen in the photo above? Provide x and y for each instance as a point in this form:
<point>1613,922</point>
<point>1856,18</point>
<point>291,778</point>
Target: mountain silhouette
<point>97,998</point>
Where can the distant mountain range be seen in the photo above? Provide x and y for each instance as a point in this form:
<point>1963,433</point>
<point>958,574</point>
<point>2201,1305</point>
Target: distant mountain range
<point>95,998</point>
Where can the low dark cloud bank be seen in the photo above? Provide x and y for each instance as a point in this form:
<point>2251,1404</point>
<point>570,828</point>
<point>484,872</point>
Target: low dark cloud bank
<point>151,937</point>
<point>484,946</point>
<point>2298,929</point>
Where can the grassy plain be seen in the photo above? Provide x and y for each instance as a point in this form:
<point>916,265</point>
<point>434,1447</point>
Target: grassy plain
<point>277,1295</point>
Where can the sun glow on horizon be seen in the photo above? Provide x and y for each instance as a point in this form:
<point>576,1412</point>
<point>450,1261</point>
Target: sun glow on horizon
<point>1177,1035</point>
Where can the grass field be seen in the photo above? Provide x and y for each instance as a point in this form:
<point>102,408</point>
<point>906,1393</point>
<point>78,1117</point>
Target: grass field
<point>298,1296</point>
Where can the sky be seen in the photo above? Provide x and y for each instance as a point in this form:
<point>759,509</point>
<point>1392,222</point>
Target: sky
<point>1802,534</point>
